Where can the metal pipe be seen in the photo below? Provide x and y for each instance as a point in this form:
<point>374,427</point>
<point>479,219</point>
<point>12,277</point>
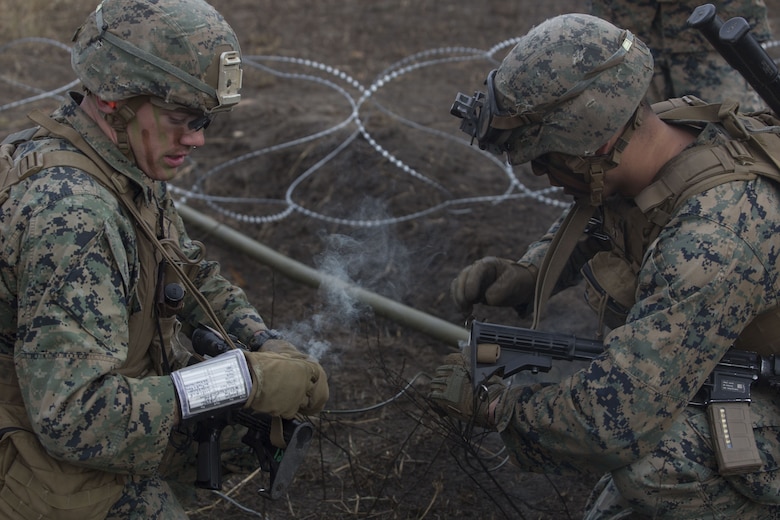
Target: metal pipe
<point>418,320</point>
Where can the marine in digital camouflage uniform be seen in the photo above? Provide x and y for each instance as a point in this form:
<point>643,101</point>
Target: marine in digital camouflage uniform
<point>90,417</point>
<point>685,63</point>
<point>693,271</point>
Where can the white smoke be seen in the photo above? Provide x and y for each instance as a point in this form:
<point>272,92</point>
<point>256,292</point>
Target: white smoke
<point>370,258</point>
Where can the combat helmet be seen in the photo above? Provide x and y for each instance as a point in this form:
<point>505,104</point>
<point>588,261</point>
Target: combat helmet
<point>571,84</point>
<point>567,87</point>
<point>178,52</point>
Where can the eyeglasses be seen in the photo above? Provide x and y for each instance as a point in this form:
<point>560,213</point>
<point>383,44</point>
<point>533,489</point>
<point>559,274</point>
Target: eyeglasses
<point>199,121</point>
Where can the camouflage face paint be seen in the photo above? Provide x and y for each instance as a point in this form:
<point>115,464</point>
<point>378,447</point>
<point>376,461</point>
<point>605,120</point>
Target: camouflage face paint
<point>162,139</point>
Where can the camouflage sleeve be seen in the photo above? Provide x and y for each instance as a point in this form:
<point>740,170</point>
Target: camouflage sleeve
<point>635,15</point>
<point>228,301</point>
<point>701,283</point>
<point>76,267</point>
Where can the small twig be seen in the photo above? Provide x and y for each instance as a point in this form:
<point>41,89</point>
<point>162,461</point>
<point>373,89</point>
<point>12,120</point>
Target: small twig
<point>437,487</point>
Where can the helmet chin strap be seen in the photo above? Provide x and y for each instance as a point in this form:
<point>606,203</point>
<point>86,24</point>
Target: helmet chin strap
<point>598,166</point>
<point>119,119</point>
<point>594,167</point>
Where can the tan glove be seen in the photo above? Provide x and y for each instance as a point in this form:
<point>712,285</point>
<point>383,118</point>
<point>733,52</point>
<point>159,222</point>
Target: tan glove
<point>286,384</point>
<point>452,393</point>
<point>281,346</point>
<point>494,281</point>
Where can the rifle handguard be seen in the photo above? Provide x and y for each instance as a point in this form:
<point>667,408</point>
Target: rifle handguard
<point>726,392</point>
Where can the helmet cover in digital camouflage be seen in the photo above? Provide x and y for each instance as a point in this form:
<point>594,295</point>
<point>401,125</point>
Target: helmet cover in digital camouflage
<point>572,82</point>
<point>180,51</point>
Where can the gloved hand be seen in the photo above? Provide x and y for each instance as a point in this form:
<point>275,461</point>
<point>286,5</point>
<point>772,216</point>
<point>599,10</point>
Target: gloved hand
<point>495,281</point>
<point>286,383</point>
<point>453,394</point>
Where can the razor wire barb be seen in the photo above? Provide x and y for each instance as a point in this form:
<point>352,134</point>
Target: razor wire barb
<point>357,96</point>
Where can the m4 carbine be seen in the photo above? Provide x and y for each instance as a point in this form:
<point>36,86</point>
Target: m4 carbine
<point>279,444</point>
<point>503,350</point>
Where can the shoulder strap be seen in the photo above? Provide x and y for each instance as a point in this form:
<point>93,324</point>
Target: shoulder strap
<point>12,174</point>
<point>753,150</point>
<point>101,170</point>
<point>696,171</point>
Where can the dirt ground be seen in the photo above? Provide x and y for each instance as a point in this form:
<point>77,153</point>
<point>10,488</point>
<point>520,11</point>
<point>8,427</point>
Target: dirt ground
<point>392,200</point>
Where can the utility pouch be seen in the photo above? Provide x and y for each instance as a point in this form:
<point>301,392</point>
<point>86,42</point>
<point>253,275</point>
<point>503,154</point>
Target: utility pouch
<point>176,353</point>
<point>36,486</point>
<point>732,436</point>
<point>610,286</point>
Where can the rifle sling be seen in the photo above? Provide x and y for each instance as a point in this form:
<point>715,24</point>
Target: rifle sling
<point>558,253</point>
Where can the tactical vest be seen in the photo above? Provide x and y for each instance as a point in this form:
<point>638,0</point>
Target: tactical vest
<point>752,151</point>
<point>34,485</point>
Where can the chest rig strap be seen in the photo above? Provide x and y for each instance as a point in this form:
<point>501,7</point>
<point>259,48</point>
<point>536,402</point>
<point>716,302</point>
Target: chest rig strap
<point>744,157</point>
